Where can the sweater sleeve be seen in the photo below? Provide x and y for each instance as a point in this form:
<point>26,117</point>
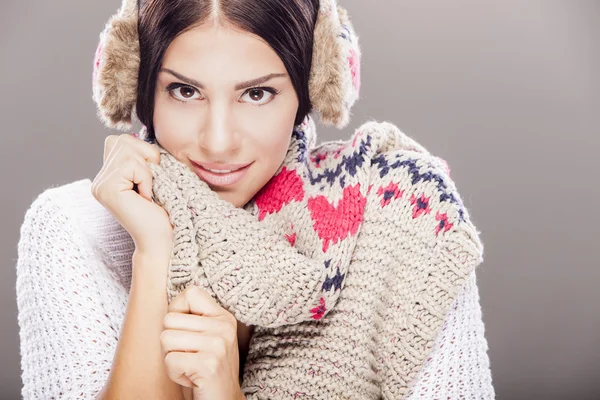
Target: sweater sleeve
<point>67,340</point>
<point>458,366</point>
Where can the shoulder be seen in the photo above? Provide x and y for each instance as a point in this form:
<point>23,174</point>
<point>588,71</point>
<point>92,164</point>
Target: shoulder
<point>371,143</point>
<point>51,242</point>
<point>72,200</point>
<point>55,202</point>
<point>382,143</point>
<point>408,188</point>
<point>411,186</point>
<point>71,212</point>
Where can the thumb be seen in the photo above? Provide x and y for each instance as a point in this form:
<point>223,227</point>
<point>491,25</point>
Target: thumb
<point>194,300</point>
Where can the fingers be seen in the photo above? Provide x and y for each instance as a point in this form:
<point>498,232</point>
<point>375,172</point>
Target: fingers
<point>174,340</point>
<point>102,174</point>
<point>199,341</point>
<point>108,145</point>
<point>131,171</point>
<point>180,368</point>
<point>198,368</point>
<point>142,176</point>
<point>197,323</point>
<point>194,300</point>
<point>120,151</point>
<point>147,151</point>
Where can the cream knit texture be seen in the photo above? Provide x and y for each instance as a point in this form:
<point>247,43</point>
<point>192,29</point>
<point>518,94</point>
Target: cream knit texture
<point>385,306</point>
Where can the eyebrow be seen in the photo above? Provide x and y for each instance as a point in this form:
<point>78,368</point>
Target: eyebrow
<point>238,86</point>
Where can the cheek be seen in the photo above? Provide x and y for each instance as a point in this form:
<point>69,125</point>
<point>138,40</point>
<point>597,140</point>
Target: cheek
<point>273,144</point>
<point>171,126</point>
<point>273,134</point>
<point>269,151</point>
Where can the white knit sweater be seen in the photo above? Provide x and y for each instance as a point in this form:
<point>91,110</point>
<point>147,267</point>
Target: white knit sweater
<point>73,277</point>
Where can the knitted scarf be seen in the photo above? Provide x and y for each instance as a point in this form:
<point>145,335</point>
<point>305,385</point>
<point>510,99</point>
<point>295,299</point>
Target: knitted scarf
<point>284,261</point>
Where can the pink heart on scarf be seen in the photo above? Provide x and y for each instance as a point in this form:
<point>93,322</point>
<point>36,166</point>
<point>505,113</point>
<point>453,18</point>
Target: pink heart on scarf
<point>282,189</point>
<point>333,224</point>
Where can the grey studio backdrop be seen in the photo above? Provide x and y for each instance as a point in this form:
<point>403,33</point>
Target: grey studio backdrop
<point>506,91</point>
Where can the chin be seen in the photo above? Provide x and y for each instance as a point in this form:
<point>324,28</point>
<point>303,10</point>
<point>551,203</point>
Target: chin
<point>233,197</point>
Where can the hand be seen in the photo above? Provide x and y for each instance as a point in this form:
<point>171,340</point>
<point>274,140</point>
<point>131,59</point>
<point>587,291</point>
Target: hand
<point>125,164</point>
<point>200,346</point>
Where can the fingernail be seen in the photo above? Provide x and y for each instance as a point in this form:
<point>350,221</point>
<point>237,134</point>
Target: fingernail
<point>135,135</point>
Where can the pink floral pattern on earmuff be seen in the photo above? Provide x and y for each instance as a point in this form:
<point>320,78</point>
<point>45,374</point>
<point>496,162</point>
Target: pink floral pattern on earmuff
<point>97,58</point>
<point>354,61</point>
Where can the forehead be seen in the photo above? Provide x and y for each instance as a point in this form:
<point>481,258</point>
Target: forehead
<point>220,50</point>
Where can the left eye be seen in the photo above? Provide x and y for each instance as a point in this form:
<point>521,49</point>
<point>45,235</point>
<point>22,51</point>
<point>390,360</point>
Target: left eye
<point>259,95</point>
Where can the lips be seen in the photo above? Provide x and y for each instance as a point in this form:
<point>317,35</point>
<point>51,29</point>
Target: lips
<point>216,166</point>
<point>220,174</point>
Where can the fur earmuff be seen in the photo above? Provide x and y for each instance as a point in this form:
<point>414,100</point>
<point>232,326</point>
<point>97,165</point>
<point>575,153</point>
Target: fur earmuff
<point>116,67</point>
<point>334,82</point>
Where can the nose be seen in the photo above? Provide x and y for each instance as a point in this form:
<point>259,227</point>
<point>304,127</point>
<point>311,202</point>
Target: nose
<point>218,137</point>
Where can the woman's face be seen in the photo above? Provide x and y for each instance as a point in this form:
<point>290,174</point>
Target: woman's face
<point>210,115</point>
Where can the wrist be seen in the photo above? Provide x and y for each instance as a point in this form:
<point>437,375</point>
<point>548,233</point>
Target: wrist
<point>151,253</point>
<point>150,260</point>
<point>150,269</point>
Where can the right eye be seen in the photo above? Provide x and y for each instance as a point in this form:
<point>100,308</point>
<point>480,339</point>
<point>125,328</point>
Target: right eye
<point>182,92</point>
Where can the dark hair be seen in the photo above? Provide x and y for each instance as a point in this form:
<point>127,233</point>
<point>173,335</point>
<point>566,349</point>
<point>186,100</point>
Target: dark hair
<point>286,25</point>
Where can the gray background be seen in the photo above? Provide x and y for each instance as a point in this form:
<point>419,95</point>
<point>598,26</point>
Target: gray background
<point>506,91</point>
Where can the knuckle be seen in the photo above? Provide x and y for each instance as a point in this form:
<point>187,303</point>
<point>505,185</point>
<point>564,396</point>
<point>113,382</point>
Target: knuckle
<point>232,320</point>
<point>230,336</point>
<point>220,346</point>
<point>155,152</point>
<point>121,137</point>
<point>168,319</point>
<point>118,139</point>
<point>170,360</point>
<point>164,337</point>
<point>111,143</point>
<point>212,366</point>
<point>151,147</point>
<point>107,147</point>
<point>229,328</point>
<point>192,290</point>
<point>147,150</point>
<point>109,140</point>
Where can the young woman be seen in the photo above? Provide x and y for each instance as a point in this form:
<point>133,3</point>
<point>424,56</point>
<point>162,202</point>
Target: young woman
<point>221,254</point>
